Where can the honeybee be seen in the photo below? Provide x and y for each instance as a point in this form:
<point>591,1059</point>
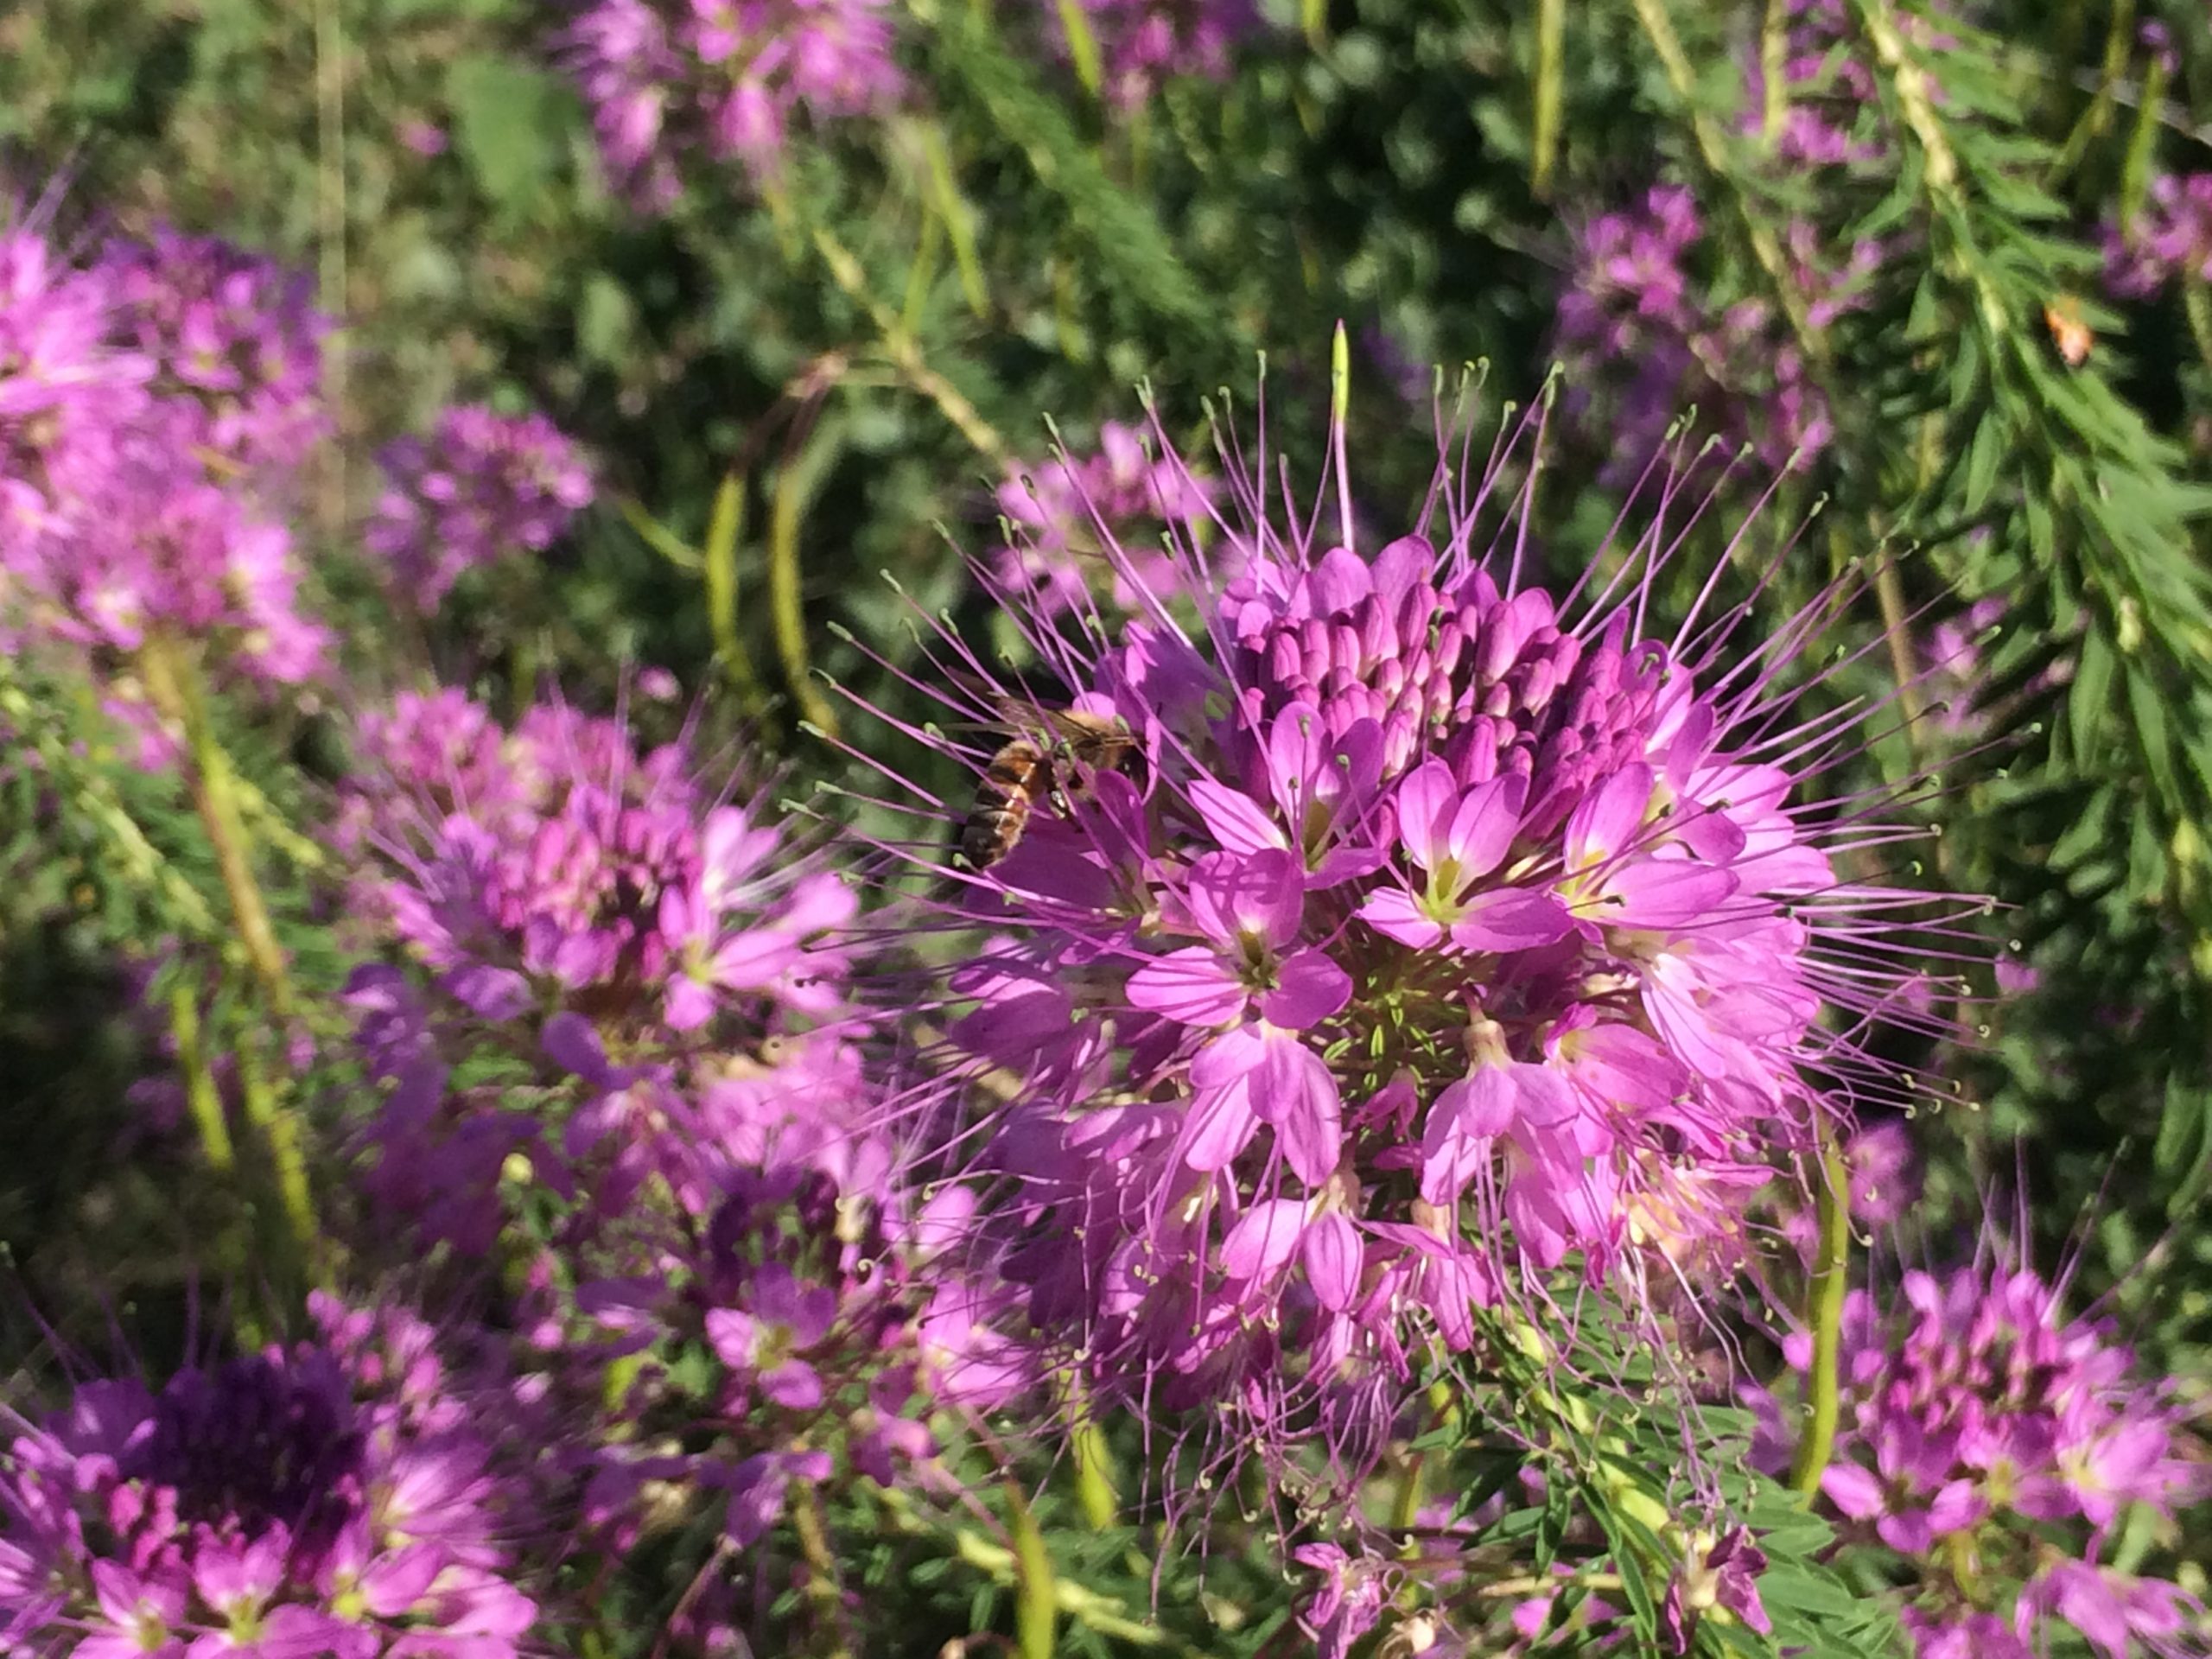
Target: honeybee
<point>1026,771</point>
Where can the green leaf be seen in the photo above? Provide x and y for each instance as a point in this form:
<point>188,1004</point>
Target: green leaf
<point>506,126</point>
<point>1802,1591</point>
<point>607,320</point>
<point>2089,699</point>
<point>2147,704</point>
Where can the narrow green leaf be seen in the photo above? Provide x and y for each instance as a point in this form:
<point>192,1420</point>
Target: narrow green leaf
<point>1083,45</point>
<point>2089,698</point>
<point>2148,705</point>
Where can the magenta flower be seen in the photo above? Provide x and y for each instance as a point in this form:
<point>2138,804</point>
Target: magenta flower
<point>1499,1096</point>
<point>340,1498</point>
<point>1448,932</point>
<point>684,1099</point>
<point>2170,238</point>
<point>1644,338</point>
<point>1720,1576</point>
<point>1248,907</point>
<point>154,411</point>
<point>235,338</point>
<point>1348,1601</point>
<point>766,1340</point>
<point>483,486</point>
<point>1977,1414</point>
<point>673,83</point>
<point>1142,42</point>
<point>1076,521</point>
<point>561,864</point>
<point>2114,1611</point>
<point>1320,788</point>
<point>1456,840</point>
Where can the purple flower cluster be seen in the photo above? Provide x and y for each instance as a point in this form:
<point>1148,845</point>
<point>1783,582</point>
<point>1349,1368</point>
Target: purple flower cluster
<point>555,868</point>
<point>1144,42</point>
<point>671,82</point>
<point>2170,236</point>
<point>337,1497</point>
<point>1453,934</point>
<point>1641,344</point>
<point>1980,1425</point>
<point>730,1291</point>
<point>232,336</point>
<point>483,486</point>
<point>616,917</point>
<point>151,408</point>
<point>1063,514</point>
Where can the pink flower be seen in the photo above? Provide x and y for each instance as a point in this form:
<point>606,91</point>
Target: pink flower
<point>1456,839</point>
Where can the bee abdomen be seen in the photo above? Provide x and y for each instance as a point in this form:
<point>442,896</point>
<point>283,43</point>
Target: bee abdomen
<point>992,831</point>
<point>1004,799</point>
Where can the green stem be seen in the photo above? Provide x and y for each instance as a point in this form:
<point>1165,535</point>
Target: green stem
<point>905,355</point>
<point>1713,147</point>
<point>808,1521</point>
<point>1094,1475</point>
<point>174,685</point>
<point>2097,118</point>
<point>330,216</point>
<point>1083,45</point>
<point>959,219</point>
<point>1406,1502</point>
<point>2196,305</point>
<point>1037,1599</point>
<point>1824,1314</point>
<point>1774,72</point>
<point>175,689</point>
<point>795,486</point>
<point>1551,51</point>
<point>279,1128</point>
<point>719,562</point>
<point>201,1094</point>
<point>2142,146</point>
<point>1889,593</point>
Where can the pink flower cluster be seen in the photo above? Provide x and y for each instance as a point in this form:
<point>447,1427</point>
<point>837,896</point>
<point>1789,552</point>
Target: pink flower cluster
<point>1982,1425</point>
<point>619,922</point>
<point>1144,42</point>
<point>232,335</point>
<point>1642,345</point>
<point>2170,238</point>
<point>1063,513</point>
<point>151,408</point>
<point>483,486</point>
<point>1453,934</point>
<point>1827,91</point>
<point>661,976</point>
<point>555,868</point>
<point>338,1497</point>
<point>674,83</point>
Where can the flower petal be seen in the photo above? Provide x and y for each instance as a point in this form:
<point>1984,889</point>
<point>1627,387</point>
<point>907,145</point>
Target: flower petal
<point>1219,1127</point>
<point>1235,819</point>
<point>1333,1259</point>
<point>1264,1238</point>
<point>1427,798</point>
<point>1609,817</point>
<point>1511,918</point>
<point>1193,986</point>
<point>1485,823</point>
<point>1662,893</point>
<point>1394,915</point>
<point>1309,987</point>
